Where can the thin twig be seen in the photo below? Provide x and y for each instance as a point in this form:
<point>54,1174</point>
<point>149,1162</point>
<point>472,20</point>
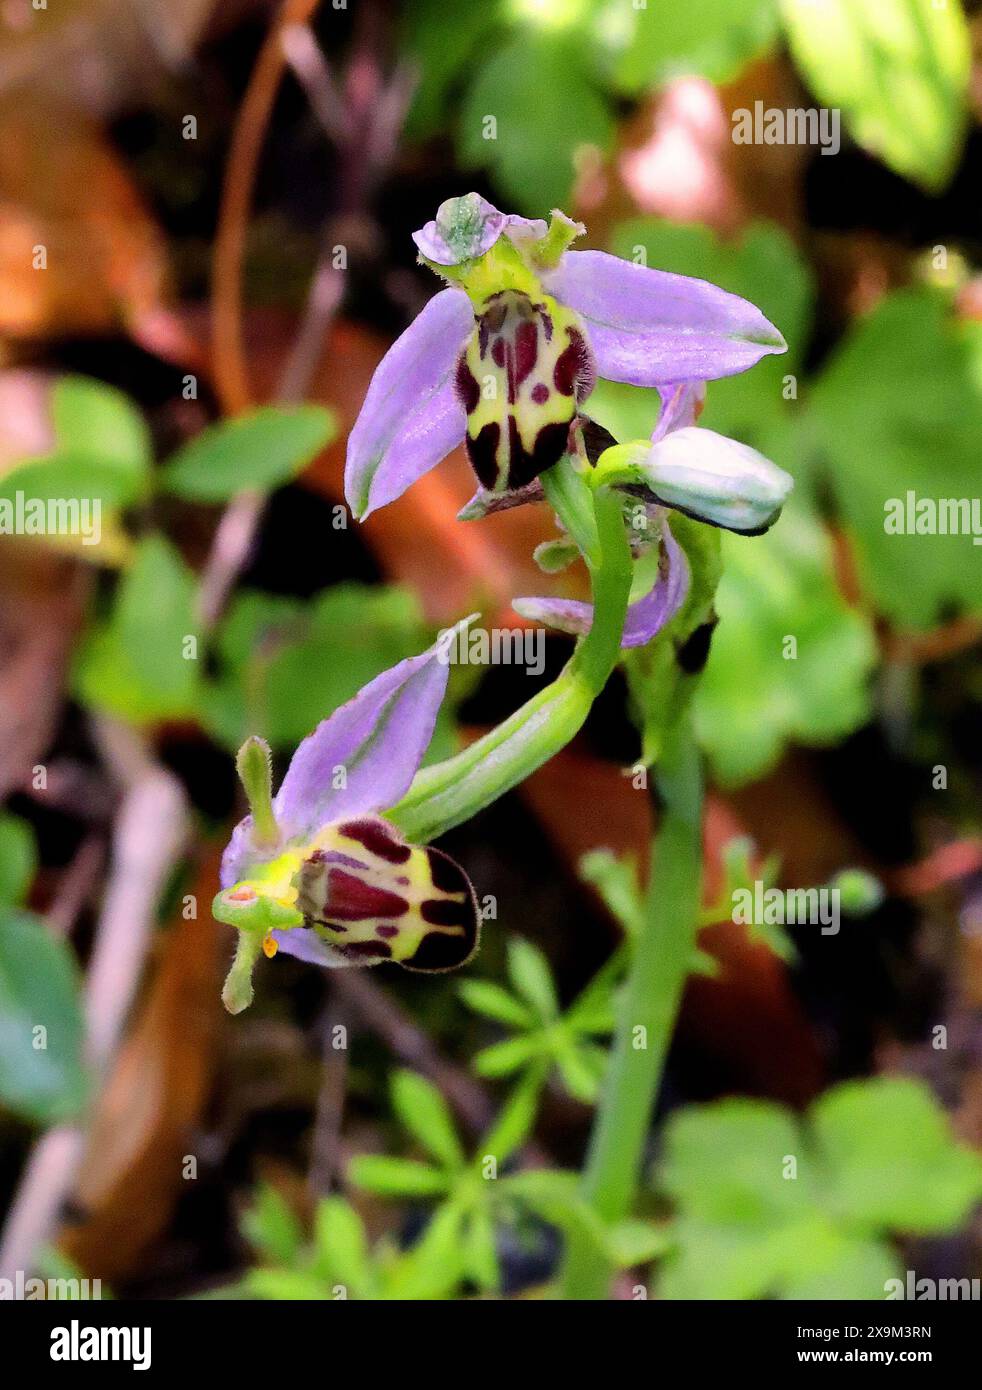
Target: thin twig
<point>390,1021</point>
<point>367,139</point>
<point>309,66</point>
<point>77,883</point>
<point>231,374</point>
<point>325,1144</point>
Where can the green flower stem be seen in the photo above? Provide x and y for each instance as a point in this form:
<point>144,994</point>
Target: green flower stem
<point>456,789</point>
<point>661,957</point>
<point>569,494</point>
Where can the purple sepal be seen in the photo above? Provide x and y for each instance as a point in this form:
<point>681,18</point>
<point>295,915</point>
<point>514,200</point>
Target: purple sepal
<point>411,417</point>
<point>363,758</point>
<point>645,617</point>
<point>649,326</point>
<point>306,945</point>
<point>680,406</point>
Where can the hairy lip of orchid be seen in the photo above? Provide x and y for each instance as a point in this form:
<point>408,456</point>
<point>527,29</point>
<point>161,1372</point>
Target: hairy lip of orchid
<point>316,872</point>
<point>436,388</point>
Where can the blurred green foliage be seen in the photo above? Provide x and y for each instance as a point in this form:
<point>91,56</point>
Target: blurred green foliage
<point>549,72</point>
<point>899,70</point>
<point>42,1075</point>
<point>261,449</point>
<point>769,1206</point>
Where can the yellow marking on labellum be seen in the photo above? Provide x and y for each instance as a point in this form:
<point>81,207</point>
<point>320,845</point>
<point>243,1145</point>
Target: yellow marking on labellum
<point>520,378</point>
<point>373,897</point>
<point>269,946</point>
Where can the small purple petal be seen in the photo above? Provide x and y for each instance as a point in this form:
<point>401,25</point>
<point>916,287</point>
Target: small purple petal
<point>467,227</point>
<point>306,945</point>
<point>373,745</point>
<point>663,600</point>
<point>649,326</point>
<point>239,854</point>
<point>411,417</point>
<point>680,405</point>
<point>645,618</point>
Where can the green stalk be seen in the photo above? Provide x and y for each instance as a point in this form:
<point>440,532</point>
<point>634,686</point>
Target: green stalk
<point>660,962</point>
<point>456,789</point>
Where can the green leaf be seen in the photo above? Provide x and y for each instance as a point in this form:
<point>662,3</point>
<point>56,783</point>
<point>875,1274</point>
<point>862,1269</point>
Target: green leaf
<point>261,450</point>
<point>272,1226</point>
<point>841,1267</point>
<point>899,71</point>
<point>758,693</point>
<point>636,1243</point>
<point>480,1252</point>
<point>433,1268</point>
<point>284,663</point>
<point>515,1119</point>
<point>898,409</point>
<point>143,663</point>
<point>531,977</point>
<point>441,51</point>
<point>726,1163</point>
<point>711,38</point>
<point>764,266</point>
<point>616,880</point>
<point>491,1000</point>
<point>342,1250</point>
<point>893,1160</point>
<point>96,421</point>
<point>720,1261</point>
<point>424,1114</point>
<point>532,83</point>
<point>396,1177</point>
<point>581,1066</point>
<point>41,1070</point>
<point>504,1058</point>
<point>18,859</point>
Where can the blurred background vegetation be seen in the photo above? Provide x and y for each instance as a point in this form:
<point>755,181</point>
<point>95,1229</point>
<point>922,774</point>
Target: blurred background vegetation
<point>224,195</point>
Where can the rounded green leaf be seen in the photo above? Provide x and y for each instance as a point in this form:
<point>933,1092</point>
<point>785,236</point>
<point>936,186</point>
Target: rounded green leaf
<point>533,84</point>
<point>18,859</point>
<point>728,1163</point>
<point>899,70</point>
<point>41,1070</point>
<point>143,663</point>
<point>893,1162</point>
<point>260,450</point>
<point>753,698</point>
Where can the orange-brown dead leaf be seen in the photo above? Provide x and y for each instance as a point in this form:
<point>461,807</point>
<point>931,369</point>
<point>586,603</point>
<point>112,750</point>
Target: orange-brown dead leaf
<point>132,1175</point>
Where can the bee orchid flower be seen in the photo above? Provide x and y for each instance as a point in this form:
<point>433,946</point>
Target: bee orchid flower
<point>505,356</point>
<point>317,872</point>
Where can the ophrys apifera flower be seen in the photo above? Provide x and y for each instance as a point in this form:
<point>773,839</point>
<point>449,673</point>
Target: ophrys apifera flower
<point>317,872</point>
<point>505,357</point>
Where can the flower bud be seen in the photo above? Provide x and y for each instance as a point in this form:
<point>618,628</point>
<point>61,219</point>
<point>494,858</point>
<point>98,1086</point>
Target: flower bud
<point>716,480</point>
